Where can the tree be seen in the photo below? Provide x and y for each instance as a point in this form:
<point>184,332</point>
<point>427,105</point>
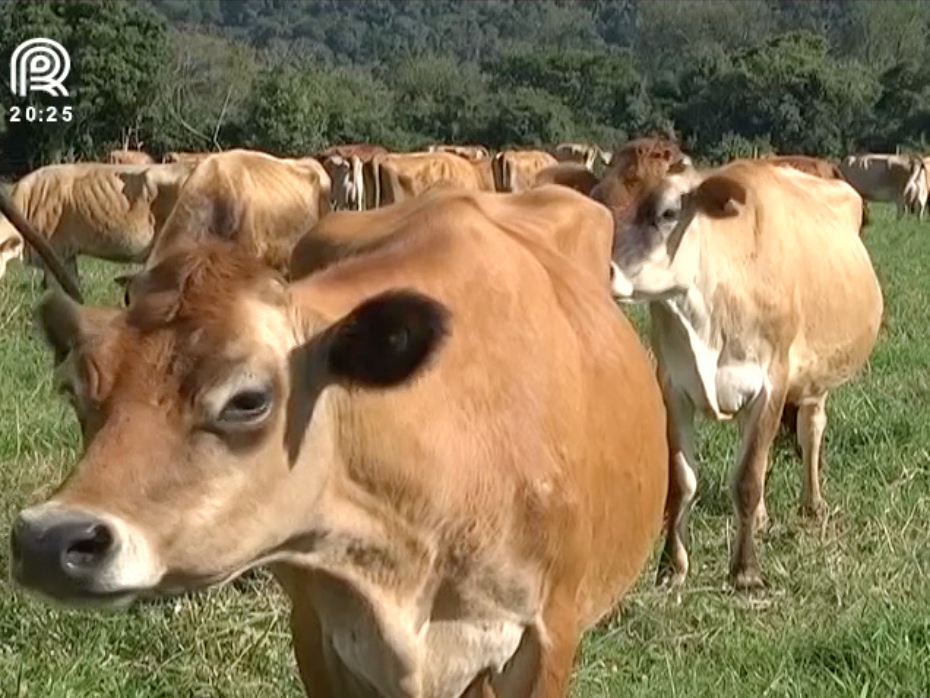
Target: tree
<point>211,79</point>
<point>439,100</point>
<point>118,55</point>
<point>787,90</point>
<point>528,116</point>
<point>294,112</point>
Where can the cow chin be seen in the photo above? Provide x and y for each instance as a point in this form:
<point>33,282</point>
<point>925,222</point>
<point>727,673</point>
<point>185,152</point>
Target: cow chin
<point>78,558</point>
<point>649,283</point>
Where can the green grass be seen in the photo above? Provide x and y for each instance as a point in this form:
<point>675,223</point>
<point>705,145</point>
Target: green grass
<point>847,614</point>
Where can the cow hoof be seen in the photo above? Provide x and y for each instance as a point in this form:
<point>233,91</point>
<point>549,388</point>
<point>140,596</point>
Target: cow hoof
<point>747,580</point>
<point>814,512</point>
<point>669,579</point>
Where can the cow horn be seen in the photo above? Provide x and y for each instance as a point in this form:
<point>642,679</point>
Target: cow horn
<point>40,245</point>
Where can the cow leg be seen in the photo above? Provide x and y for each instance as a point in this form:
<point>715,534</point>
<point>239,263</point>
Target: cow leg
<point>682,486</point>
<point>758,425</point>
<point>542,667</point>
<point>812,421</point>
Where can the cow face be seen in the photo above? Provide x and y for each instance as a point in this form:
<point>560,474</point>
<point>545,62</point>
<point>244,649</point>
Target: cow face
<point>656,242</point>
<point>209,435</point>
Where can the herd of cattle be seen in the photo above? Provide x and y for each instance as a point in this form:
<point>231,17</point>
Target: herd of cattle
<point>404,383</point>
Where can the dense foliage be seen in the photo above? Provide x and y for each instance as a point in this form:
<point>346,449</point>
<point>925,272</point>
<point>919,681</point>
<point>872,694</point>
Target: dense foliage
<point>817,76</point>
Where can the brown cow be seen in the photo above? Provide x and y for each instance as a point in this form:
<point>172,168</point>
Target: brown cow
<point>263,203</point>
<point>125,156</point>
<point>185,157</point>
<point>469,152</point>
<point>516,170</point>
<point>573,175</point>
<point>345,166</point>
<point>630,165</point>
<point>99,210</point>
<point>827,170</point>
<point>761,293</point>
<point>579,228</point>
<point>586,154</point>
<point>231,422</point>
<point>398,176</point>
<point>807,163</point>
<point>365,151</point>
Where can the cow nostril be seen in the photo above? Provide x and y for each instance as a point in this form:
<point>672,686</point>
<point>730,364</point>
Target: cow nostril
<point>90,549</point>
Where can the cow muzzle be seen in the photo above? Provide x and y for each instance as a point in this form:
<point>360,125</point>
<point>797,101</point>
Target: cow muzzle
<point>79,558</point>
<point>620,286</point>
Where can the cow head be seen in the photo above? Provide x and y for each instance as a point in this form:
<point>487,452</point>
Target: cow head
<point>656,241</point>
<point>210,411</point>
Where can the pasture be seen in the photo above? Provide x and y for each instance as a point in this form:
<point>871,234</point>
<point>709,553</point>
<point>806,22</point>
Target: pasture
<point>847,613</point>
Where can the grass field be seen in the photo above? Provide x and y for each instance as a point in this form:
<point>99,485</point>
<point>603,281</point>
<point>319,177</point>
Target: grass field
<point>847,614</point>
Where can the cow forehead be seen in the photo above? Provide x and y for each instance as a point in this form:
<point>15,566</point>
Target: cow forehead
<point>181,357</point>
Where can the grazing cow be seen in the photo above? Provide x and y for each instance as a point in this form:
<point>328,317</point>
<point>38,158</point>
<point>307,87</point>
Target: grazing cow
<point>516,170</point>
<point>469,152</point>
<point>760,292</point>
<point>398,176</point>
<point>125,156</point>
<point>583,153</point>
<point>451,480</point>
<point>631,165</point>
<point>573,175</point>
<point>98,210</point>
<point>879,177</point>
<point>190,158</point>
<point>262,203</point>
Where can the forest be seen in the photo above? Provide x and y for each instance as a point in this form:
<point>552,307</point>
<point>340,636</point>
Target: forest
<point>824,77</point>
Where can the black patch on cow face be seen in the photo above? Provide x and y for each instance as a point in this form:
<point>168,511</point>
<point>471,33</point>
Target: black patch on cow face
<point>386,340</point>
<point>646,226</point>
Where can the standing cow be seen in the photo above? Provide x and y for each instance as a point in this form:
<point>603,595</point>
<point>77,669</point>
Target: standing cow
<point>452,481</point>
<point>761,293</point>
<point>98,210</point>
<point>516,170</point>
<point>881,177</point>
<point>345,167</point>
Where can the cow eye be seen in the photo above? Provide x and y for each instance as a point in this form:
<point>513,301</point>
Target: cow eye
<point>247,406</point>
<point>669,215</point>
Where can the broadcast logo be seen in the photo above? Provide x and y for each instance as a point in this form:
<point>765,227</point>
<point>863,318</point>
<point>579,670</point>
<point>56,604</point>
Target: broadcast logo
<point>39,65</point>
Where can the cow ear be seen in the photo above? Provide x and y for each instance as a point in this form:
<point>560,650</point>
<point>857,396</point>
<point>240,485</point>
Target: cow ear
<point>386,340</point>
<point>66,324</point>
<point>719,196</point>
